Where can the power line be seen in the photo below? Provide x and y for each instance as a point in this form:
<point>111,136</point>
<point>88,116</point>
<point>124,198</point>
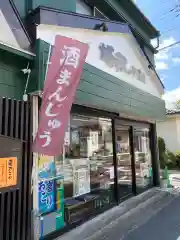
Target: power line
<point>171,45</point>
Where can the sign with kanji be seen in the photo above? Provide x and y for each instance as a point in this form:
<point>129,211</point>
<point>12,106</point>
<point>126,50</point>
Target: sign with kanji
<point>8,172</point>
<point>46,196</point>
<point>62,79</point>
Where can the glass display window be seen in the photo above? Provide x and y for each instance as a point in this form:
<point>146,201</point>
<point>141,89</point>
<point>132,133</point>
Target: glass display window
<point>88,166</point>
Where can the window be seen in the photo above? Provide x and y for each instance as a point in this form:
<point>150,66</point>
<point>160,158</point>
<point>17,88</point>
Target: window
<point>88,166</point>
<point>81,181</point>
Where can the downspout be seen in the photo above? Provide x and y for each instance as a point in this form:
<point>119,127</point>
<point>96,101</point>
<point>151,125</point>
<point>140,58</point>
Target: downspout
<point>158,41</point>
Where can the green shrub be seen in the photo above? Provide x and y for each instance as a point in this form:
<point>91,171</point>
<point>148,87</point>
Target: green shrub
<point>162,152</point>
<point>178,159</point>
<point>161,145</point>
<point>171,160</point>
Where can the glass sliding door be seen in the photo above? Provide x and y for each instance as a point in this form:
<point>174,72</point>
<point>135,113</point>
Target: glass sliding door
<point>124,160</point>
<point>143,163</point>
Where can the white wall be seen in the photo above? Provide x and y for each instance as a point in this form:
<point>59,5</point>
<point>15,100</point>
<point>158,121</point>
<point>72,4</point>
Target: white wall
<point>123,43</point>
<point>170,132</point>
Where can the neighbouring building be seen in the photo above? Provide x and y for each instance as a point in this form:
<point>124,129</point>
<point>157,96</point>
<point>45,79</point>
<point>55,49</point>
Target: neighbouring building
<point>169,130</point>
<point>111,150</point>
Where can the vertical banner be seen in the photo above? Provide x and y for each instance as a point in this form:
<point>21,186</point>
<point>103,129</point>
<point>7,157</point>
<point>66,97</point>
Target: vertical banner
<point>62,79</point>
<point>46,196</point>
<point>46,184</point>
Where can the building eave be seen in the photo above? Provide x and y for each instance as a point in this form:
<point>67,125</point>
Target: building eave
<point>154,32</point>
<point>18,51</point>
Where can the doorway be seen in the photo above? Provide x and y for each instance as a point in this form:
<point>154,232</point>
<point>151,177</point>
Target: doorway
<point>133,158</point>
<point>143,159</point>
<point>125,179</point>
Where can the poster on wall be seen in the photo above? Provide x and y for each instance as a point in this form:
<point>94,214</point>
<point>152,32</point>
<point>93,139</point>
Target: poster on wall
<point>81,177</point>
<point>8,172</point>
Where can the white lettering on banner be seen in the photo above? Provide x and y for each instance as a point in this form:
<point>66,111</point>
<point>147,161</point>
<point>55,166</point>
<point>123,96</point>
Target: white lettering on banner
<point>49,108</point>
<point>71,56</point>
<point>63,77</point>
<point>57,95</point>
<point>54,123</point>
<point>48,138</point>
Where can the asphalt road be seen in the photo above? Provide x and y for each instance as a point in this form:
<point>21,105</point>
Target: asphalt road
<point>163,226</point>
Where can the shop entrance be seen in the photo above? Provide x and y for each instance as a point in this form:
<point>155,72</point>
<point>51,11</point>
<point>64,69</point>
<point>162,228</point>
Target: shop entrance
<point>133,158</point>
<point>125,178</point>
<point>142,157</point>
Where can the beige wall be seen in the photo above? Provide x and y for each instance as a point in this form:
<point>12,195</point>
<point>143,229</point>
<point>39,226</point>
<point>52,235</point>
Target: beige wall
<point>170,131</point>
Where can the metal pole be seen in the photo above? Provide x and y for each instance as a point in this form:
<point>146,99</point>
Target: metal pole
<point>36,227</point>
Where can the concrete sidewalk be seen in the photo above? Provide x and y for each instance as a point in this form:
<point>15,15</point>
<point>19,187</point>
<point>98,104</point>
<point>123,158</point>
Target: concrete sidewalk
<point>124,218</point>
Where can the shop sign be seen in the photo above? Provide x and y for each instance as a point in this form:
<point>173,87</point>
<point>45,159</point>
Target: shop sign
<point>8,172</point>
<point>116,53</point>
<point>46,196</point>
<point>119,62</point>
<point>62,79</point>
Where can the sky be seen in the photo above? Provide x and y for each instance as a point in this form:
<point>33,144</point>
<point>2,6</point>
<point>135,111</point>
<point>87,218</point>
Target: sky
<point>167,61</point>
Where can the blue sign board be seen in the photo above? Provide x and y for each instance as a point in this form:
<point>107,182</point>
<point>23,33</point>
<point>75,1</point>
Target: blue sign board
<point>46,196</point>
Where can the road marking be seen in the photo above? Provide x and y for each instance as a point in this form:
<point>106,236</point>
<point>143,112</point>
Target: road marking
<point>178,238</point>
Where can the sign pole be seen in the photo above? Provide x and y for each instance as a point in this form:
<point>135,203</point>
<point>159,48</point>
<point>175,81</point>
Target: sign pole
<point>36,227</point>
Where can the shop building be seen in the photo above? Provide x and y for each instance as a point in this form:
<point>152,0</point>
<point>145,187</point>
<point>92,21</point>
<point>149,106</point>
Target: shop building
<point>110,151</point>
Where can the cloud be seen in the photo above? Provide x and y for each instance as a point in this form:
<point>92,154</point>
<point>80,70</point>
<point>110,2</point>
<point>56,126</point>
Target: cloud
<point>176,60</point>
<point>171,97</point>
<point>161,65</point>
<point>166,42</point>
<point>164,55</point>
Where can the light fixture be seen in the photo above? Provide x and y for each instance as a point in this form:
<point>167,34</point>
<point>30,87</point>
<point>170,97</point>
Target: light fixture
<point>26,71</point>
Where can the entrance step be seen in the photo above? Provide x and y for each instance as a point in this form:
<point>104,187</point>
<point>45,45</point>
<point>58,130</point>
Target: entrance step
<point>124,218</point>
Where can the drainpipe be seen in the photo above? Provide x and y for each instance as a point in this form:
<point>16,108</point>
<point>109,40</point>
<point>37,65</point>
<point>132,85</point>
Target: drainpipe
<point>158,41</point>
